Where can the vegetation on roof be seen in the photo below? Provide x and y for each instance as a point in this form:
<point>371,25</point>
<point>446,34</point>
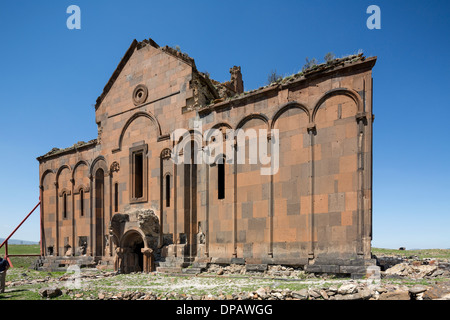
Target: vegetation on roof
<point>311,67</point>
<point>77,145</point>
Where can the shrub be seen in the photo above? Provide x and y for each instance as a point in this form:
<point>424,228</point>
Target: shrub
<point>273,77</point>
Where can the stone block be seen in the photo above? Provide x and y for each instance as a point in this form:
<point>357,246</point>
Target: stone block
<point>169,269</point>
<point>256,267</point>
<point>322,268</point>
<point>352,269</point>
<point>237,260</point>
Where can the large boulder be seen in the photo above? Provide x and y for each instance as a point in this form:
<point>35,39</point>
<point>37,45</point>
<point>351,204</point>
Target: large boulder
<point>411,271</point>
<point>50,292</point>
<point>439,291</point>
<point>395,295</point>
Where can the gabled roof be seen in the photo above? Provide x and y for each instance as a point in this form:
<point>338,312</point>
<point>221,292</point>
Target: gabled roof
<point>138,45</point>
<point>116,73</point>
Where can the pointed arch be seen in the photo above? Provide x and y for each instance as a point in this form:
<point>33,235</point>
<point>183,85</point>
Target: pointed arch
<point>221,124</point>
<point>286,107</point>
<point>335,92</point>
<point>101,161</point>
<point>80,188</point>
<point>44,175</point>
<point>131,119</point>
<point>252,116</point>
<point>129,234</point>
<point>65,166</point>
<point>79,163</point>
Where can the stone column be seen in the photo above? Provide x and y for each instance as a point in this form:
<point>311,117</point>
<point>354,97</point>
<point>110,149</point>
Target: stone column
<point>41,214</point>
<point>72,184</point>
<point>56,252</point>
<point>90,249</point>
<point>311,132</point>
<point>118,259</point>
<point>235,192</point>
<point>271,196</point>
<point>364,223</point>
<point>149,261</point>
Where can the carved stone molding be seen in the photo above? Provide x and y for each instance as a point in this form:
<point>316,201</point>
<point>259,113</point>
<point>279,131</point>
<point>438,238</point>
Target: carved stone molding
<point>140,94</point>
<point>115,167</point>
<point>362,116</point>
<point>311,128</point>
<point>78,190</point>
<point>166,153</point>
<point>65,191</point>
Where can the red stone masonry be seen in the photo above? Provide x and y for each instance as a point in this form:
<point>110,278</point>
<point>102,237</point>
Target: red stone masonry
<point>102,197</point>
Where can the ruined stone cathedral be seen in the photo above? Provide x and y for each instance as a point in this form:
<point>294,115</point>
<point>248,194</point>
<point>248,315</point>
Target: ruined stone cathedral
<point>121,200</point>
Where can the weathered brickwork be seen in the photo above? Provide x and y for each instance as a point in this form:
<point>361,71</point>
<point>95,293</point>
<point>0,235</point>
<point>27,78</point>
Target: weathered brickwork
<point>121,198</point>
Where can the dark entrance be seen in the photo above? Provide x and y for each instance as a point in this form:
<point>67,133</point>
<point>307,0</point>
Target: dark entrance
<point>138,246</point>
<point>133,258</point>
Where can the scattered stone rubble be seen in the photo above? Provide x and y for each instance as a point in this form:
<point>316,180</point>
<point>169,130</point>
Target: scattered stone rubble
<point>432,271</point>
<point>263,270</point>
<point>413,267</point>
<point>63,278</point>
<point>416,271</point>
<point>347,291</point>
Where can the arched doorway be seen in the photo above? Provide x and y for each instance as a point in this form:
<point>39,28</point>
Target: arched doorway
<point>133,258</point>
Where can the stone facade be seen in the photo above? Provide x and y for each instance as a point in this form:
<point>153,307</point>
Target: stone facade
<point>121,198</point>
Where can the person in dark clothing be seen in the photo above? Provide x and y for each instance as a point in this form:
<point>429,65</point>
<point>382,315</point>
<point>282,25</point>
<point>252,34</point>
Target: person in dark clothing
<point>4,266</point>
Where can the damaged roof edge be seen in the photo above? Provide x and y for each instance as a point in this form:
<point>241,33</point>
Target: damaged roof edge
<point>58,152</point>
<point>351,61</point>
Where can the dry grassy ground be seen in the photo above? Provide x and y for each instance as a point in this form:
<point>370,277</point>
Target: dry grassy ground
<point>92,284</point>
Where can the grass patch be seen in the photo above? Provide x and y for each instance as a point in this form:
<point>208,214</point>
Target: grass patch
<point>421,253</point>
<point>21,262</point>
<point>21,249</point>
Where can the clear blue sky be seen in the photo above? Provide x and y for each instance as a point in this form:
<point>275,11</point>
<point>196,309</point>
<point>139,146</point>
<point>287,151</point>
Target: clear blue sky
<point>51,77</point>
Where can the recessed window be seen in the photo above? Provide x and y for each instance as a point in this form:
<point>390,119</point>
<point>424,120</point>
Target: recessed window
<point>221,179</point>
<point>138,173</point>
<point>81,203</point>
<point>168,190</point>
<point>64,206</point>
<point>116,197</point>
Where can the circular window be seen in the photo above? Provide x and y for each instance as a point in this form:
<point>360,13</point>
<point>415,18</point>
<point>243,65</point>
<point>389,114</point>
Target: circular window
<point>140,94</point>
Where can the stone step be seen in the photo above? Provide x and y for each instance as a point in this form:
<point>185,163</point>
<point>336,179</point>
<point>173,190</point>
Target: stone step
<point>191,270</point>
<point>256,267</point>
<point>201,265</point>
<point>169,269</point>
